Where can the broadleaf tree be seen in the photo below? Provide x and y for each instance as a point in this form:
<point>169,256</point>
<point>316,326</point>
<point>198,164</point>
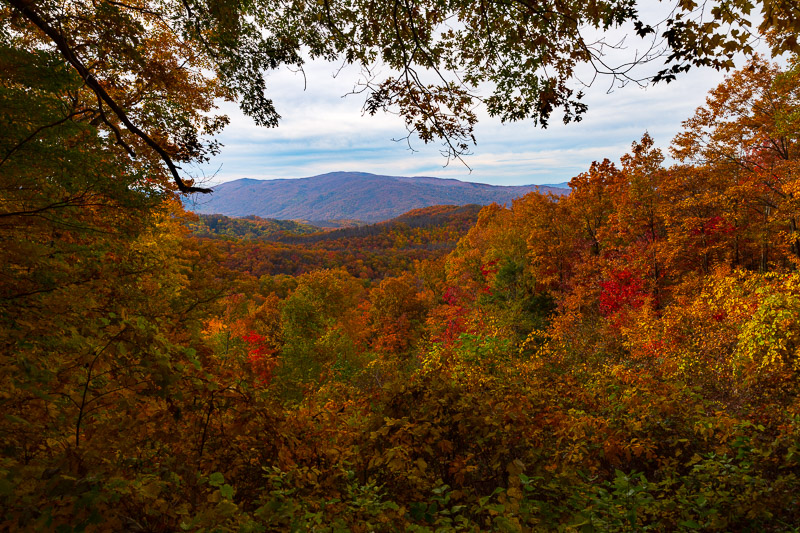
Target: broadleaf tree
<point>152,69</point>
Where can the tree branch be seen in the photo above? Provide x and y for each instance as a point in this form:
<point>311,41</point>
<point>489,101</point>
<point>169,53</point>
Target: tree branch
<point>26,9</point>
<point>39,130</point>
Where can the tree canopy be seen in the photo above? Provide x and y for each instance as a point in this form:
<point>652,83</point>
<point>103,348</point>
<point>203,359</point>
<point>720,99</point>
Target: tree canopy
<point>147,72</point>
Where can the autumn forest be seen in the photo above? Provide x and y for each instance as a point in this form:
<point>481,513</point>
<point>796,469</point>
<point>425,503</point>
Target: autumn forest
<point>624,358</point>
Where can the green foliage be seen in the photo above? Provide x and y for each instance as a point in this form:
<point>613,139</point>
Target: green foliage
<point>252,227</point>
<point>616,505</point>
<point>317,321</point>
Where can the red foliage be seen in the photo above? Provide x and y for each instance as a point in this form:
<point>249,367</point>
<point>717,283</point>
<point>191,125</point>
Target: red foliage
<point>454,315</point>
<point>452,295</point>
<point>261,356</point>
<point>487,270</point>
<point>490,268</point>
<point>715,225</point>
<point>624,290</point>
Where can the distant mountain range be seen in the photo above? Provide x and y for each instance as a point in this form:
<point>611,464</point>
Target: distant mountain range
<point>351,196</point>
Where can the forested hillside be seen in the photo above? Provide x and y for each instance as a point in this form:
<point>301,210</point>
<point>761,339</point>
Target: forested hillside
<point>370,252</point>
<point>625,358</point>
<point>250,227</point>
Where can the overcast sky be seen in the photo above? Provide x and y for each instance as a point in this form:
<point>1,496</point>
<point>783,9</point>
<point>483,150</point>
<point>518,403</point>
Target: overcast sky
<point>324,131</point>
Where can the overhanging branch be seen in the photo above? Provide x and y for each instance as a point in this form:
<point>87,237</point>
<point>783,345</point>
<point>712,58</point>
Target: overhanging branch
<point>25,8</point>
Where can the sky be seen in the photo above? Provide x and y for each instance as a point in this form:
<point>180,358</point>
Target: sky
<point>324,130</point>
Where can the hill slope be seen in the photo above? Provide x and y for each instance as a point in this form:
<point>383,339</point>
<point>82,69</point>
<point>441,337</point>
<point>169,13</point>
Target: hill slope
<point>350,195</point>
<point>370,252</point>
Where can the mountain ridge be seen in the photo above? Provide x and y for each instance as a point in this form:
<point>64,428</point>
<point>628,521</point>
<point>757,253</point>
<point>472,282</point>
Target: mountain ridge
<point>352,195</point>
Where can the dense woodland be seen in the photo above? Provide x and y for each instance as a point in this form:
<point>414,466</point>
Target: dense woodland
<point>251,227</point>
<point>622,359</point>
<point>370,252</point>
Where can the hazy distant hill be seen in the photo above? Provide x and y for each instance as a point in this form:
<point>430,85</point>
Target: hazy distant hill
<point>350,195</point>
